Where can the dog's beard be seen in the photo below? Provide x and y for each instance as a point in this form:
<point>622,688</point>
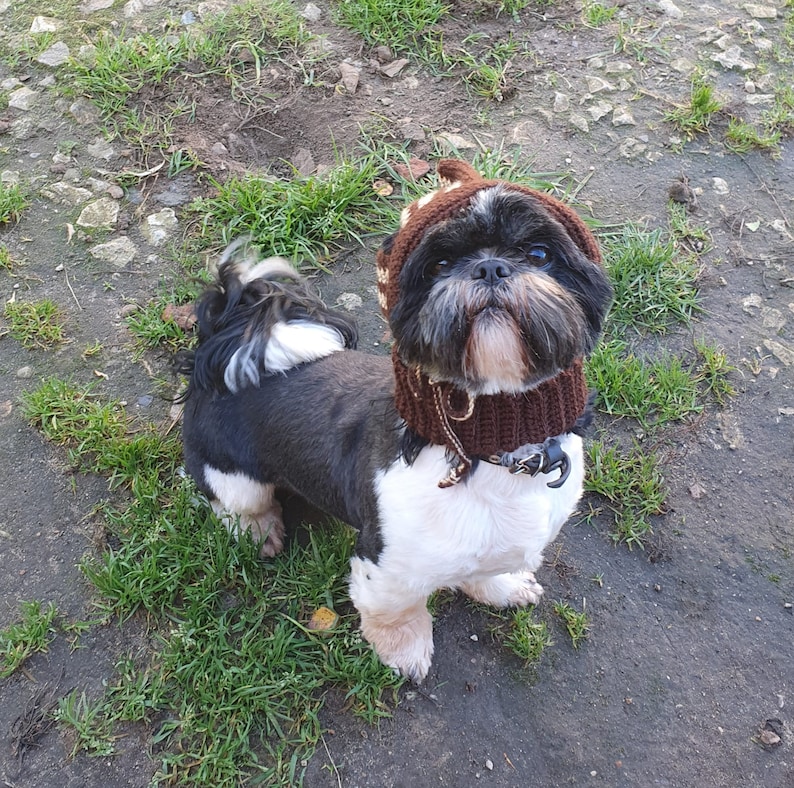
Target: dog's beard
<point>503,338</point>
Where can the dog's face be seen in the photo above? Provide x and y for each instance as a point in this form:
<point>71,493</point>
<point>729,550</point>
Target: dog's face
<point>499,298</point>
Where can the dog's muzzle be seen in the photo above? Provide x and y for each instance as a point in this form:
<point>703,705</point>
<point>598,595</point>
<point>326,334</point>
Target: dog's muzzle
<point>535,458</point>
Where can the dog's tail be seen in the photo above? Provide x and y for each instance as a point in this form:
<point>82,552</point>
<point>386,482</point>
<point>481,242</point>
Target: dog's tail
<point>259,318</point>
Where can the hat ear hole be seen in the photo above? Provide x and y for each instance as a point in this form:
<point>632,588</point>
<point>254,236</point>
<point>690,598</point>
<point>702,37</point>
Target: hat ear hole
<point>456,171</point>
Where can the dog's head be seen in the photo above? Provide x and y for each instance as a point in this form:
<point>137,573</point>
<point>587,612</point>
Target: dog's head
<point>491,286</point>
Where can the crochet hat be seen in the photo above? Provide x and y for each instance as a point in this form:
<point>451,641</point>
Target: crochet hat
<point>459,183</point>
<point>438,411</point>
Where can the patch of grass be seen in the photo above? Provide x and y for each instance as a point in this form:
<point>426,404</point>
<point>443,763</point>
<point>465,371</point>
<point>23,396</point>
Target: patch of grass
<point>236,678</point>
<point>696,239</point>
<point>654,283</point>
<point>694,117</point>
<point>741,137</point>
<point>575,622</point>
<point>402,25</point>
<point>301,218</point>
<point>35,324</point>
<point>527,637</point>
<point>633,485</point>
<point>713,371</point>
<point>486,75</point>
<point>32,634</point>
<point>654,391</point>
<point>13,200</point>
<point>7,263</point>
<point>595,14</point>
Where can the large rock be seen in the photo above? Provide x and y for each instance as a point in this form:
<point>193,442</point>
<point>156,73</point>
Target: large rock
<point>104,212</point>
<point>157,227</point>
<point>116,252</point>
<point>56,55</point>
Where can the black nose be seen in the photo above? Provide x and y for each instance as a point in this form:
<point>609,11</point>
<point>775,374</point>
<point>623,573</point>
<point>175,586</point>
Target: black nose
<point>491,270</point>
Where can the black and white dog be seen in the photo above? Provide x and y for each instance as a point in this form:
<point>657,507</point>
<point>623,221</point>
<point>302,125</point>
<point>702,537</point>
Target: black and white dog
<point>490,292</point>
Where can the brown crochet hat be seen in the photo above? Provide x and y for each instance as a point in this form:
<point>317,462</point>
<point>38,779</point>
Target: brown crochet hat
<point>459,183</point>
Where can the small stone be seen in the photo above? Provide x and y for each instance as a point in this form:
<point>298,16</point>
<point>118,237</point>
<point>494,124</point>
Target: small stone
<point>450,143</point>
<point>621,116</point>
<point>24,373</point>
<point>749,86</point>
<point>56,55</point>
<point>349,77</point>
<point>102,213</point>
<point>630,148</point>
<point>115,191</point>
<point>129,309</point>
<point>145,401</point>
<point>732,58</point>
<point>87,54</point>
<point>349,301</point>
<point>311,12</point>
<point>303,161</point>
<point>598,84</point>
<point>66,193</point>
<point>599,110</point>
<point>394,68</point>
<point>9,84</point>
<point>415,169</point>
<point>720,186</point>
<point>489,764</point>
<point>783,353</point>
<point>618,67</point>
<point>44,24</point>
<point>761,11</point>
<point>158,226</point>
<point>383,54</point>
<point>84,112</point>
<point>683,65</point>
<point>562,102</point>
<point>89,6</point>
<point>23,99</point>
<point>117,252</point>
<point>101,149</point>
<point>580,122</point>
<point>669,8</point>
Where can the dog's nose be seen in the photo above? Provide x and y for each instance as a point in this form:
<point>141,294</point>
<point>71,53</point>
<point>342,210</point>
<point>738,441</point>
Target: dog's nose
<point>491,270</point>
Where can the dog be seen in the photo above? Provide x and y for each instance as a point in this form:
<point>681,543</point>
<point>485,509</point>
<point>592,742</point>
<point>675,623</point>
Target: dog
<point>458,458</point>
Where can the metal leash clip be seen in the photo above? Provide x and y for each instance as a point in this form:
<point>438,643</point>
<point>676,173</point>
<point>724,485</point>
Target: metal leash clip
<point>547,457</point>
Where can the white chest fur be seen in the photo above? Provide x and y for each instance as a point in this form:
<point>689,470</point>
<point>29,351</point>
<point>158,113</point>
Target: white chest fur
<point>495,522</point>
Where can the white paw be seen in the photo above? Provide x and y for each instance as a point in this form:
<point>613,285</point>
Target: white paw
<point>525,591</point>
<point>515,589</point>
<point>405,644</point>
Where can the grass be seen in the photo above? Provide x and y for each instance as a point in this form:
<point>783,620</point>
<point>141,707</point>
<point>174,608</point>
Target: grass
<point>32,634</point>
<point>302,218</point>
<point>236,680</point>
<point>694,117</point>
<point>35,324</point>
<point>595,14</point>
<point>7,263</point>
<point>13,200</point>
<point>655,284</point>
<point>576,623</point>
<point>527,637</point>
<point>633,485</point>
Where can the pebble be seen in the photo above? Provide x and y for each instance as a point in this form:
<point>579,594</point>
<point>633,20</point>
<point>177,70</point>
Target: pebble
<point>84,111</point>
<point>44,24</point>
<point>683,65</point>
<point>732,58</point>
<point>720,186</point>
<point>56,55</point>
<point>24,373</point>
<point>580,122</point>
<point>117,252</point>
<point>761,11</point>
<point>621,116</point>
<point>22,98</point>
<point>101,149</point>
<point>669,8</point>
<point>158,226</point>
<point>598,84</point>
<point>562,102</point>
<point>129,309</point>
<point>102,213</point>
<point>599,110</point>
<point>66,193</point>
<point>311,12</point>
<point>349,301</point>
<point>618,67</point>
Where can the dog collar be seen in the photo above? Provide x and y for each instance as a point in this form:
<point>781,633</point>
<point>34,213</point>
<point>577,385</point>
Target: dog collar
<point>534,459</point>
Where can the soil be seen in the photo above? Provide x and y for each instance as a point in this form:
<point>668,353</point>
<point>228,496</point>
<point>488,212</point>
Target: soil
<point>689,654</point>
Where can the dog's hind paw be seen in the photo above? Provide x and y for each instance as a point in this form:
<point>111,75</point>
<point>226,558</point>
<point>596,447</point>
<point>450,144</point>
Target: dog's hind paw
<point>406,646</point>
<point>516,589</point>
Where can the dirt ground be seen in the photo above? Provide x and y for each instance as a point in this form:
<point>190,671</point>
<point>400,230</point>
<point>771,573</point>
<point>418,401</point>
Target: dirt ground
<point>690,654</point>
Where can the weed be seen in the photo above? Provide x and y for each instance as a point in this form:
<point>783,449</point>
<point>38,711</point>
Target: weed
<point>403,25</point>
<point>654,284</point>
<point>13,200</point>
<point>33,634</point>
<point>92,730</point>
<point>7,263</point>
<point>595,14</point>
<point>486,75</point>
<point>152,326</point>
<point>182,160</point>
<point>694,117</point>
<point>697,239</point>
<point>633,485</point>
<point>741,137</point>
<point>713,371</point>
<point>35,323</point>
<point>300,218</point>
<point>527,637</point>
<point>575,622</point>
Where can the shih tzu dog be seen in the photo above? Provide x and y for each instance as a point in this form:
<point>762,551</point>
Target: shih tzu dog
<point>458,459</point>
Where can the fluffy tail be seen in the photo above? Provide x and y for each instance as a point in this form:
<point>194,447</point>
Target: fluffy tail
<point>259,318</point>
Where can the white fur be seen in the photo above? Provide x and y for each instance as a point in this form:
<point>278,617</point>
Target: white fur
<point>485,536</point>
<point>243,504</point>
<point>288,345</point>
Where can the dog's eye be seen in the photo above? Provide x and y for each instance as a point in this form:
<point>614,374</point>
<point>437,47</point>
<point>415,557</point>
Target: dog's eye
<point>538,254</point>
<point>440,266</point>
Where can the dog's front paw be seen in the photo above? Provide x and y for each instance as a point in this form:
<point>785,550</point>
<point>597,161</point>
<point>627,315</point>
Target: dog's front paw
<point>405,645</point>
<point>516,589</point>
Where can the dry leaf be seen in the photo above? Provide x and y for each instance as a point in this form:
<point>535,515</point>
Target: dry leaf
<point>184,316</point>
<point>323,620</point>
<point>382,188</point>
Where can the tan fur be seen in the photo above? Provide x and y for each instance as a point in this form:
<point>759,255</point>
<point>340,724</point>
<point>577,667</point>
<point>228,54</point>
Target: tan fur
<point>495,352</point>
